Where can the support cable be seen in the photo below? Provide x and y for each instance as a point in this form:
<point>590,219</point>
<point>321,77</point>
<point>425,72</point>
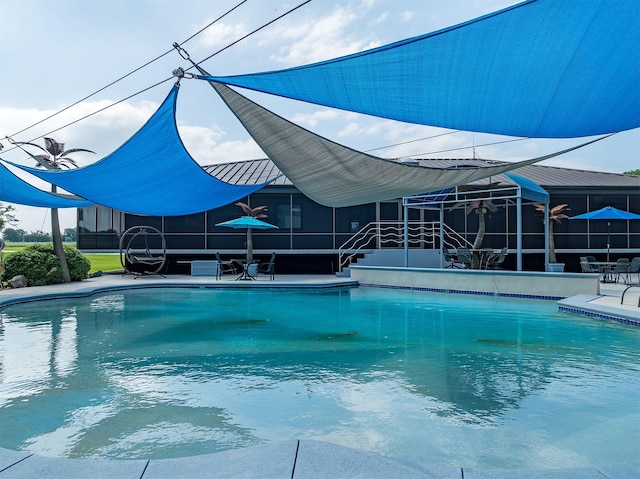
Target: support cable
<point>412,141</point>
<point>166,79</point>
<point>89,114</point>
<point>473,146</point>
<point>122,78</point>
<point>252,32</point>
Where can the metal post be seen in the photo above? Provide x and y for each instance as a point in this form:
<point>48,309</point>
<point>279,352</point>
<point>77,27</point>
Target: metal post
<point>519,231</point>
<point>546,236</point>
<point>406,233</point>
<point>441,235</point>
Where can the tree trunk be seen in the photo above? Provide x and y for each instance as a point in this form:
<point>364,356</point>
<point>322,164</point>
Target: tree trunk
<point>477,244</point>
<point>552,245</point>
<point>57,242</point>
<point>249,245</point>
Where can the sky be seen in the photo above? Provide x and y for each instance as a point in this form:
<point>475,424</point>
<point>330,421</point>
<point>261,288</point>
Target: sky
<point>58,53</point>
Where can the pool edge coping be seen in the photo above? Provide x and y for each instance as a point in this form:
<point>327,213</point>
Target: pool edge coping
<point>321,458</point>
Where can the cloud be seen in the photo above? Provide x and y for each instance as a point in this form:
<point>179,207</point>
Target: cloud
<point>314,119</point>
<point>108,130</point>
<point>101,133</point>
<point>406,15</point>
<point>233,150</point>
<point>221,34</point>
<point>319,38</point>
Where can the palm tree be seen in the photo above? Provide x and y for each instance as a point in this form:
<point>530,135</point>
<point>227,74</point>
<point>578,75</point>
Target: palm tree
<point>257,212</point>
<point>481,207</point>
<point>556,215</point>
<point>56,158</point>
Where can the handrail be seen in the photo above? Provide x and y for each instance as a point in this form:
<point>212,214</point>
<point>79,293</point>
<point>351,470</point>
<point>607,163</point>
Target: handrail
<point>392,232</point>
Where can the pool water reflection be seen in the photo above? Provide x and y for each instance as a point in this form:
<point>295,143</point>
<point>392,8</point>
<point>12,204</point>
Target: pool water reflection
<point>431,378</point>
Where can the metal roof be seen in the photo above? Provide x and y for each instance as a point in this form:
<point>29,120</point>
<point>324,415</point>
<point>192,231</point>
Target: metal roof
<point>248,172</point>
<point>261,170</point>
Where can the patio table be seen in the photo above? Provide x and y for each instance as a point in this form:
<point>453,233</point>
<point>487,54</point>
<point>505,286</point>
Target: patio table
<point>605,268</point>
<point>244,270</point>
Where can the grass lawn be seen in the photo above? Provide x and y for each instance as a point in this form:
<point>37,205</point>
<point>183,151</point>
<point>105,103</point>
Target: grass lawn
<point>103,262</point>
<point>99,262</point>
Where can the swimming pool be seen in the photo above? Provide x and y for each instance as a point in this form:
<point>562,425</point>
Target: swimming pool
<point>431,378</point>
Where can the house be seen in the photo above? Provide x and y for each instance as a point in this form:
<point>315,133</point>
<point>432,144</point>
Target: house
<point>310,236</point>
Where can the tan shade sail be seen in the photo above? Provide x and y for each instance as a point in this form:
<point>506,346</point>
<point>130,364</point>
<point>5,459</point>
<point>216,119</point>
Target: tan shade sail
<point>335,175</point>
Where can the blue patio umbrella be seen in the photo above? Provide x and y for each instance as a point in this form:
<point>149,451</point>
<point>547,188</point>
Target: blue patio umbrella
<point>607,213</point>
<point>248,223</point>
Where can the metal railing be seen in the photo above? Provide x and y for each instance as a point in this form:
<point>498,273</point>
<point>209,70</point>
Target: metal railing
<point>390,234</point>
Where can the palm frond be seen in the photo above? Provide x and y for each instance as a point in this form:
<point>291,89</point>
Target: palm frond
<point>43,160</point>
<point>490,206</point>
<point>66,162</point>
<point>559,208</point>
<point>245,207</point>
<point>76,150</point>
<point>253,212</point>
<point>31,144</point>
<point>53,146</point>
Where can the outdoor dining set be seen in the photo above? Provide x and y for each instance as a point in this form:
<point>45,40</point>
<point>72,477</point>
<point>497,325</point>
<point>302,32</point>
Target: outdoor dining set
<point>470,258</point>
<point>245,269</point>
<point>612,271</point>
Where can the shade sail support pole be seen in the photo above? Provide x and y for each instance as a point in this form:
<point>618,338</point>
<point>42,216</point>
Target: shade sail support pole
<point>546,236</point>
<point>406,234</point>
<point>519,230</point>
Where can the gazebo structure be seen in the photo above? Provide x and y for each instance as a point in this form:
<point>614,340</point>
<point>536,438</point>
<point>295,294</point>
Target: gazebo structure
<point>505,191</point>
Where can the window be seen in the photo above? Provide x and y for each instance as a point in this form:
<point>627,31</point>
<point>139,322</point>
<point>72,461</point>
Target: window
<point>104,219</point>
<point>352,218</point>
<point>289,217</point>
<point>184,224</point>
<point>87,219</point>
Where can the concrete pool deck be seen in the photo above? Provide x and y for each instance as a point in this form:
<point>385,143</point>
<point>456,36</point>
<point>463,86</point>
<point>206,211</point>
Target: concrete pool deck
<point>287,459</point>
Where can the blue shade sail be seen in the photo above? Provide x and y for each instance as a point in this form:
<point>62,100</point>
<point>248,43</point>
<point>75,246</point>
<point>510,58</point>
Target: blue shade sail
<point>151,174</point>
<point>540,69</point>
<point>15,190</point>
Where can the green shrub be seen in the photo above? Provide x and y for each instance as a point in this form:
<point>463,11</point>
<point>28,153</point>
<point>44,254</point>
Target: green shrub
<point>41,266</point>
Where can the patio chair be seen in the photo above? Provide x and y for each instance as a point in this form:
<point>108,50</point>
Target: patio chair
<point>620,269</point>
<point>634,268</point>
<point>587,267</point>
<point>450,258</point>
<point>226,266</point>
<point>495,260</point>
<point>464,257</point>
<point>268,268</point>
<point>483,257</point>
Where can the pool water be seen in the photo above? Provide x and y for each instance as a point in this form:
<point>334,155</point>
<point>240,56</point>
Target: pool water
<point>443,379</point>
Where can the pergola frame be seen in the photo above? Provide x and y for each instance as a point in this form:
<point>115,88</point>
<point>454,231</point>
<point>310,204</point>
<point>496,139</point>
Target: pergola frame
<point>508,193</point>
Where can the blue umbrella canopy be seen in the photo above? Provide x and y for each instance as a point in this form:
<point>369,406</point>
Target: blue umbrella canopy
<point>607,213</point>
<point>247,222</point>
